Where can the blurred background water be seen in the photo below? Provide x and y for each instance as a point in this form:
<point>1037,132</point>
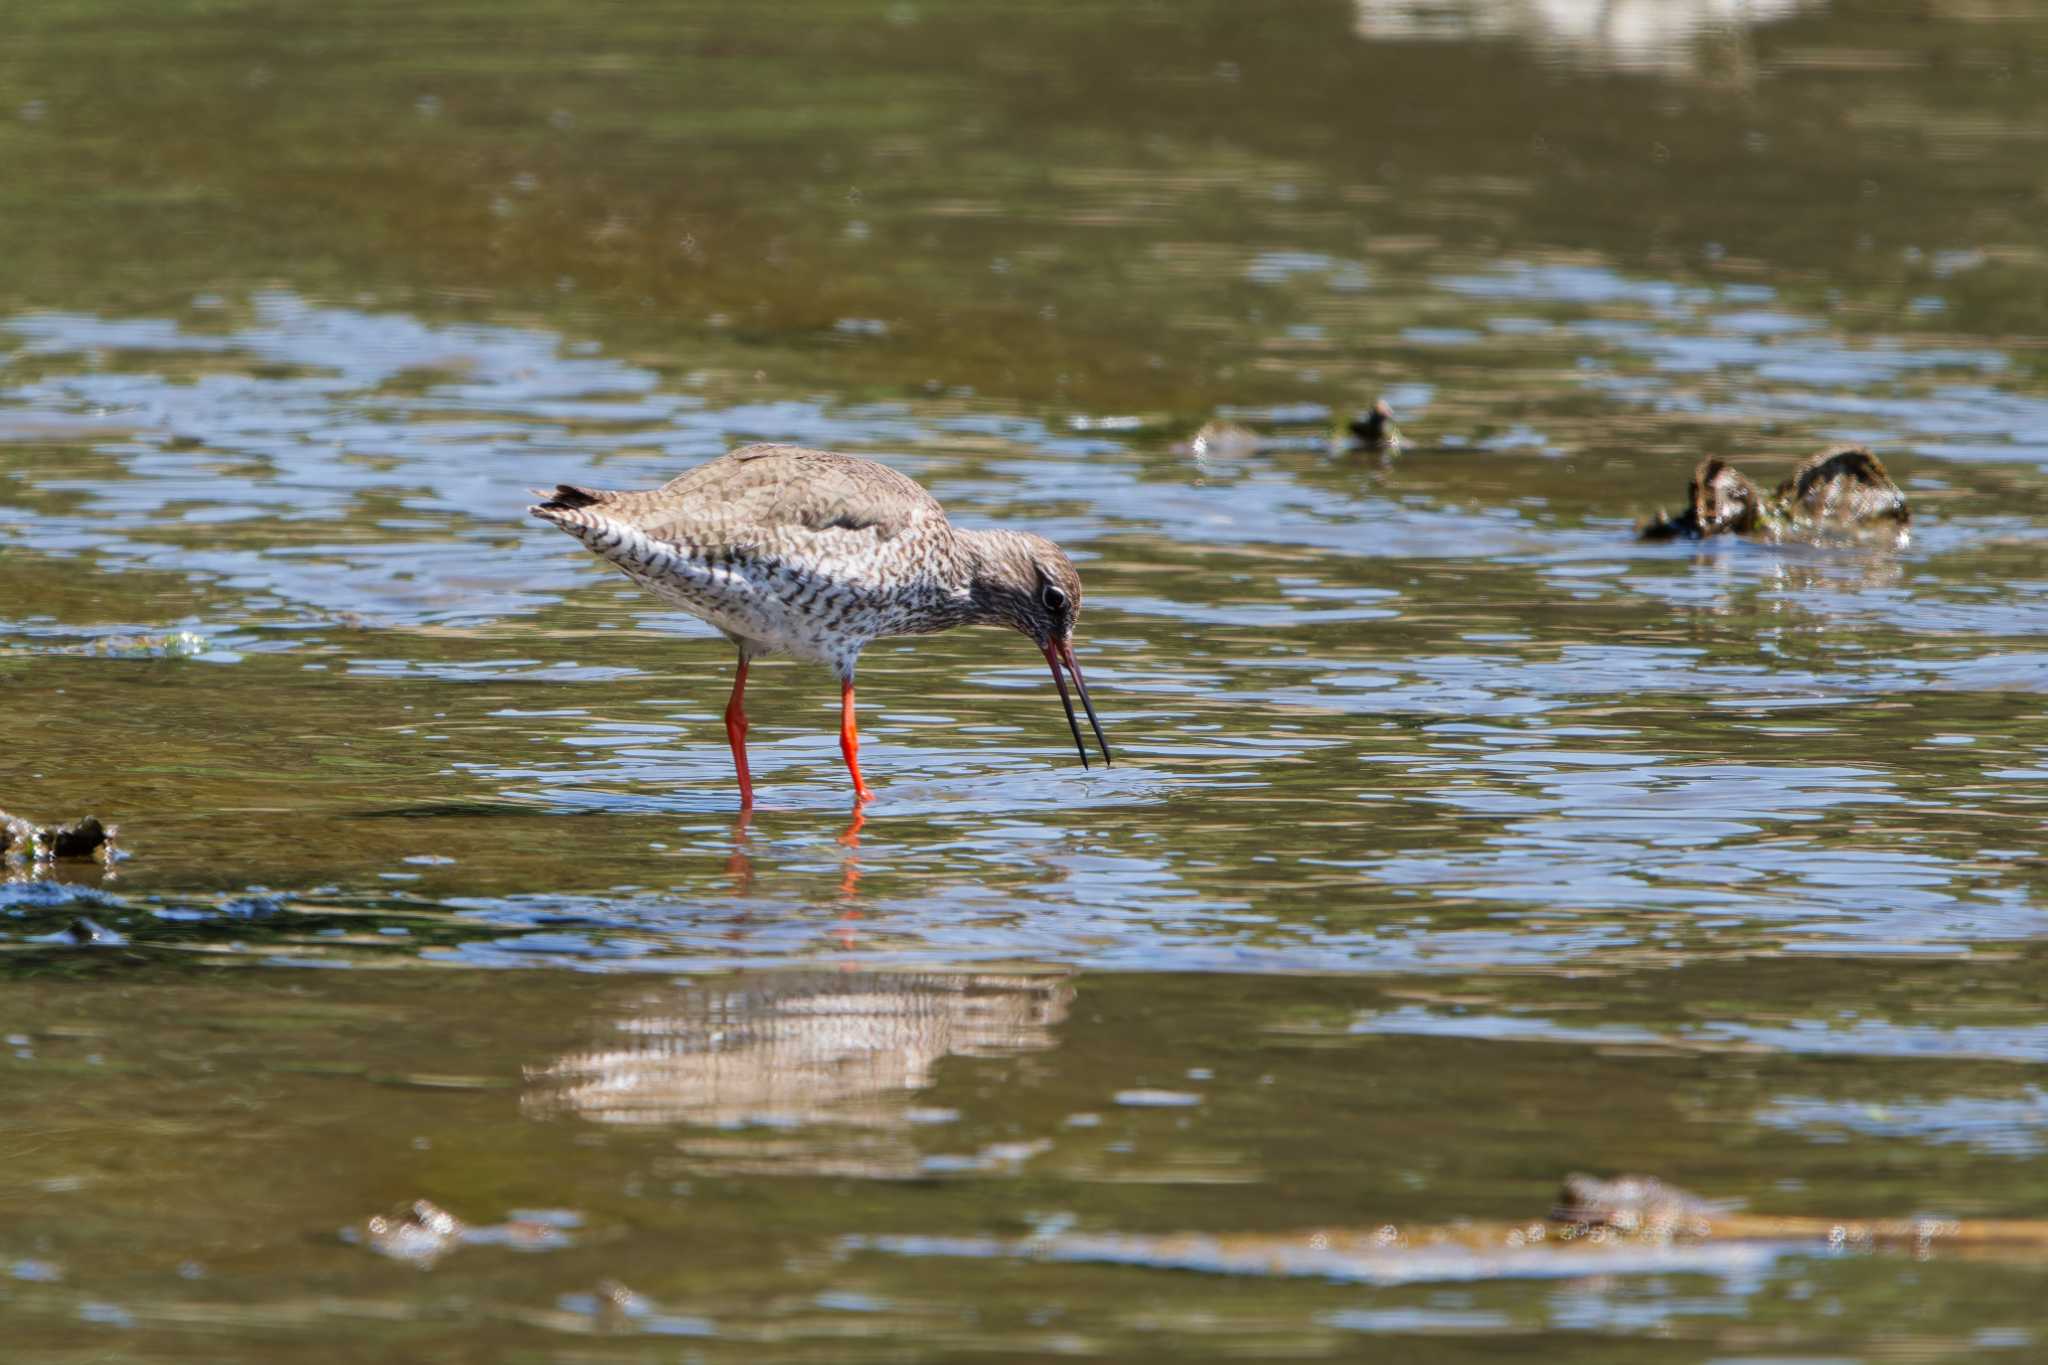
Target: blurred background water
<point>1456,840</point>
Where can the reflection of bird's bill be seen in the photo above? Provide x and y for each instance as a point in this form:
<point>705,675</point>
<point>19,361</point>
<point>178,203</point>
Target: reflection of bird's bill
<point>1062,652</point>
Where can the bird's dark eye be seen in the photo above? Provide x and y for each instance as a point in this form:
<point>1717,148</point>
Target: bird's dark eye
<point>1055,600</point>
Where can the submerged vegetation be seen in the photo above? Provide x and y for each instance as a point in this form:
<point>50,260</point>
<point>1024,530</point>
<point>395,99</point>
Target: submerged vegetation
<point>1625,1225</point>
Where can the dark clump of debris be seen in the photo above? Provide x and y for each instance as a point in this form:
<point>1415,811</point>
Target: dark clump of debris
<point>422,1232</point>
<point>85,838</point>
<point>1376,432</point>
<point>1841,494</point>
<point>85,933</point>
<point>1630,1203</point>
<point>1370,432</point>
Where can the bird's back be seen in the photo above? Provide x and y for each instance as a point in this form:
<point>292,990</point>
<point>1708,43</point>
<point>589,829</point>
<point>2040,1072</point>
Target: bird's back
<point>763,497</point>
<point>781,547</point>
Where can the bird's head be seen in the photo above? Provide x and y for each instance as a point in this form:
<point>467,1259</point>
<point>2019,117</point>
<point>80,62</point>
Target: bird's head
<point>1026,582</point>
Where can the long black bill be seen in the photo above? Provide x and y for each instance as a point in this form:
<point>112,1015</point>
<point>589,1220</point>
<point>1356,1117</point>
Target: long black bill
<point>1063,653</point>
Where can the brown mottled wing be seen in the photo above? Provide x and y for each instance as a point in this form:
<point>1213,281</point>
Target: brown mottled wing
<point>1845,485</point>
<point>758,494</point>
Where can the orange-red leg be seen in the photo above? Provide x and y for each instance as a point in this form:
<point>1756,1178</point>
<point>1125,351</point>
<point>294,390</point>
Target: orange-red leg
<point>736,731</point>
<point>849,741</point>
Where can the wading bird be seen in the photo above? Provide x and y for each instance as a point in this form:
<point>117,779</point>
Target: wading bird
<point>811,554</point>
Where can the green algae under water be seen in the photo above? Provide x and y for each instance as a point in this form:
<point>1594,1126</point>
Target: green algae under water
<point>1456,840</point>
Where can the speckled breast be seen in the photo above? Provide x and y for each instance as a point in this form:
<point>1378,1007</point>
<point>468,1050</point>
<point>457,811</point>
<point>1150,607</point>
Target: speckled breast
<point>825,604</point>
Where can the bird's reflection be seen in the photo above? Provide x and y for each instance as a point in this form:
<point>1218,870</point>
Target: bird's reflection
<point>739,864</point>
<point>790,1049</point>
<point>1660,36</point>
<point>849,867</point>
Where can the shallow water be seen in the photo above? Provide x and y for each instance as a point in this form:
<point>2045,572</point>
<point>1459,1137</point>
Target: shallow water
<point>1456,840</point>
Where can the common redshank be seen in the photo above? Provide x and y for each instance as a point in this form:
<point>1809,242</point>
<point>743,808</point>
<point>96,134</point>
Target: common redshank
<point>812,554</point>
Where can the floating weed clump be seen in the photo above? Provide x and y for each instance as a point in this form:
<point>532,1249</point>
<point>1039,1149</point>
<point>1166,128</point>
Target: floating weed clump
<point>176,644</point>
<point>1841,494</point>
<point>24,840</point>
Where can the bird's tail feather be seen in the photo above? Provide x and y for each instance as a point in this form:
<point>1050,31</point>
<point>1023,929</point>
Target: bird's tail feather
<point>568,495</point>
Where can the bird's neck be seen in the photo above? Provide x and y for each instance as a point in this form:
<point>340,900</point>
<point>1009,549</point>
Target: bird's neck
<point>985,561</point>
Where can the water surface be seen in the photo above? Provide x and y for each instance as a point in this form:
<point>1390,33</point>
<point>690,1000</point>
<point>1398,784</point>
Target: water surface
<point>1456,840</point>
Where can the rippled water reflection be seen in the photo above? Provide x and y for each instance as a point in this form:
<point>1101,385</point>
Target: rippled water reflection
<point>1456,840</point>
